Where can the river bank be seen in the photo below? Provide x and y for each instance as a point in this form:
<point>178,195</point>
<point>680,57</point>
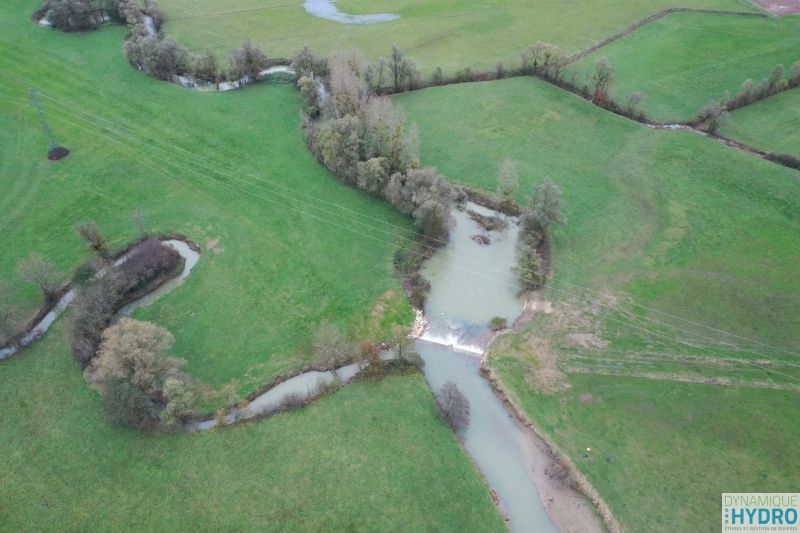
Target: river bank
<point>472,283</point>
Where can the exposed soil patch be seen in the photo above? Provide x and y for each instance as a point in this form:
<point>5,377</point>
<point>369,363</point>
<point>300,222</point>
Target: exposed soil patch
<point>585,340</point>
<point>781,7</point>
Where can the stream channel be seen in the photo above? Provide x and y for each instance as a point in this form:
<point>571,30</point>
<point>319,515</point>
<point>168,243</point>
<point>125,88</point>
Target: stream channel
<point>470,284</point>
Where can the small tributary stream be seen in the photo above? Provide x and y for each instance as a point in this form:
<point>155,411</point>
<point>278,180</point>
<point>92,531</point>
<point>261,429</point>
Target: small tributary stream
<point>470,284</point>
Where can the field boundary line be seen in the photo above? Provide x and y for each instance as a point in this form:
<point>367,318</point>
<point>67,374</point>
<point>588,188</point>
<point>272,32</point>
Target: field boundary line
<point>683,379</point>
<point>652,18</point>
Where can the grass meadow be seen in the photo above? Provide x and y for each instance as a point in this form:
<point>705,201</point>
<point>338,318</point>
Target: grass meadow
<point>275,259</point>
<point>673,222</point>
<point>686,60</point>
<point>674,447</point>
<point>370,457</point>
<point>772,124</point>
<point>446,33</point>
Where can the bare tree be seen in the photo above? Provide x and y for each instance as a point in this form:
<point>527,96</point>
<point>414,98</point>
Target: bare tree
<point>247,61</point>
<point>206,68</point>
<point>633,102</point>
<point>8,311</point>
<point>40,271</point>
<point>507,182</point>
<point>331,348</point>
<point>453,406</point>
<point>602,78</point>
<point>94,238</point>
<point>403,69</point>
<point>715,115</point>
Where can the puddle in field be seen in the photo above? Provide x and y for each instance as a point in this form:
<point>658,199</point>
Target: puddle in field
<point>327,10</point>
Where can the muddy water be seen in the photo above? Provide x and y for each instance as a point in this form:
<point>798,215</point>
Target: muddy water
<point>327,10</point>
<point>470,284</point>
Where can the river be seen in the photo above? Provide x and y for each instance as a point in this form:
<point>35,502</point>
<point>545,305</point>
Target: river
<point>470,284</point>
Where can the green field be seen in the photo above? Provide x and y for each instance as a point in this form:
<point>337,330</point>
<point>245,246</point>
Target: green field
<point>772,124</point>
<point>447,33</point>
<point>675,447</point>
<point>370,457</point>
<point>686,60</point>
<point>673,221</point>
<point>271,267</point>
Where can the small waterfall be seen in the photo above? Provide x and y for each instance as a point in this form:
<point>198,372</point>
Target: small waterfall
<point>471,283</point>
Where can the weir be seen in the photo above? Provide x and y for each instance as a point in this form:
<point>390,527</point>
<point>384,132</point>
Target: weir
<point>470,284</point>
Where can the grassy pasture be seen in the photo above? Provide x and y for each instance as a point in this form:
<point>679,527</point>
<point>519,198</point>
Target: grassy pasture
<point>686,60</point>
<point>370,457</point>
<point>679,223</point>
<point>447,33</point>
<point>675,447</point>
<point>268,274</point>
<point>772,124</point>
<point>671,219</point>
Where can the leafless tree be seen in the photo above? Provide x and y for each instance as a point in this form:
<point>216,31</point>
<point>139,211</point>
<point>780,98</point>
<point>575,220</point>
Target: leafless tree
<point>94,238</point>
<point>40,271</point>
<point>453,406</point>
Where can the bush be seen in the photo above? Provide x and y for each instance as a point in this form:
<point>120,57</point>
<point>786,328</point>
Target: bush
<point>83,274</point>
<point>148,260</point>
<point>785,160</point>
<point>497,323</point>
<point>73,15</point>
<point>179,408</point>
<point>453,406</point>
<point>94,238</point>
<point>370,357</point>
<point>126,405</point>
<point>418,289</point>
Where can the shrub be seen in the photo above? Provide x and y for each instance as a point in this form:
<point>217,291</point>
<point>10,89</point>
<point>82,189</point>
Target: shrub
<point>83,274</point>
<point>529,268</point>
<point>145,262</point>
<point>785,160</point>
<point>437,78</point>
<point>369,360</point>
<point>126,405</point>
<point>715,115</point>
<point>453,406</point>
<point>417,288</point>
<point>308,90</point>
<point>73,15</point>
<point>179,408</point>
<point>94,238</point>
<point>497,323</point>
